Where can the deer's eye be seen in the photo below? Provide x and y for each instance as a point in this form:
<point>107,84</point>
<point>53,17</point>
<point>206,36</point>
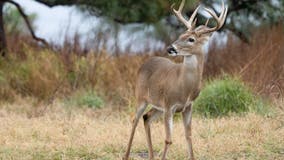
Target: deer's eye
<point>191,40</point>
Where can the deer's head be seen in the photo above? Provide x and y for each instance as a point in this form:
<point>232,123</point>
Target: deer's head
<point>192,40</point>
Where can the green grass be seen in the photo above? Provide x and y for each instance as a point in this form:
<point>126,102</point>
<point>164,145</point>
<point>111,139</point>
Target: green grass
<point>86,98</point>
<point>226,96</point>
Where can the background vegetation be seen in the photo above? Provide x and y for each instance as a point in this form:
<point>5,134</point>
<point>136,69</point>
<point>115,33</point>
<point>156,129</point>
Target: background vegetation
<point>63,102</point>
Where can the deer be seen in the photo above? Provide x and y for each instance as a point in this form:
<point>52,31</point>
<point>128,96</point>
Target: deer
<point>172,87</point>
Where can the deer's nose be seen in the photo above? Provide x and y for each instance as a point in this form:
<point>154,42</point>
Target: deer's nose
<point>171,50</point>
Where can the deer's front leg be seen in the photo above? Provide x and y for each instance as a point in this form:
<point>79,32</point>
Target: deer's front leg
<point>187,116</point>
<point>168,118</point>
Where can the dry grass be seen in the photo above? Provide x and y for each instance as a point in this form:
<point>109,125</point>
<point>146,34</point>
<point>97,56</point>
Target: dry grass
<point>47,73</point>
<point>102,134</point>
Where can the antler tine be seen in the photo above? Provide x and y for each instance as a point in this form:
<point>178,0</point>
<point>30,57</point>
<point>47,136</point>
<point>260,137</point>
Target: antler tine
<point>194,23</point>
<point>219,19</point>
<point>179,14</point>
<point>213,14</point>
<point>190,23</point>
<point>207,21</point>
<point>181,6</point>
<point>192,20</point>
<point>224,15</point>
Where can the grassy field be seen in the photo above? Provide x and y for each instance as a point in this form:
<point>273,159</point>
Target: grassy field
<point>63,133</point>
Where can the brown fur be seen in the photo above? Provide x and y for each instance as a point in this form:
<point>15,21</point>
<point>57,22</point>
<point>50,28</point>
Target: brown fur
<point>164,83</point>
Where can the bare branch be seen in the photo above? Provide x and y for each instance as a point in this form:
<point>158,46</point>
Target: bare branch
<point>28,23</point>
<point>54,3</point>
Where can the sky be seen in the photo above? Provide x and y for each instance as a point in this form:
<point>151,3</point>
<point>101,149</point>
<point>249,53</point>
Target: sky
<point>54,23</point>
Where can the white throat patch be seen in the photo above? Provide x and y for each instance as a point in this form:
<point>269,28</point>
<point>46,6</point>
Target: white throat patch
<point>190,61</point>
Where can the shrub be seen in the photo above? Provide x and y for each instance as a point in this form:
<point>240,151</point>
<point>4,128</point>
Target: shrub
<point>222,97</point>
<point>85,98</point>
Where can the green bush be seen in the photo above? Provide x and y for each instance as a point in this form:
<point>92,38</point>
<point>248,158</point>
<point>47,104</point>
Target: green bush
<point>222,97</point>
<point>86,99</point>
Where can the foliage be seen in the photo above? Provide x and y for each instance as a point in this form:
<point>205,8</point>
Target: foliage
<point>43,74</point>
<point>221,97</point>
<point>87,98</point>
<point>243,15</point>
<point>130,11</point>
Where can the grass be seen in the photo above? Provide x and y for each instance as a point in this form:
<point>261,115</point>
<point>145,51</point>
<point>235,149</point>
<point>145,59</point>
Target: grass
<point>45,74</point>
<point>85,98</point>
<point>103,134</point>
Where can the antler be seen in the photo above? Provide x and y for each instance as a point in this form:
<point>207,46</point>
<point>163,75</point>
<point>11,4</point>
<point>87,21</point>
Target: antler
<point>190,24</point>
<point>220,20</point>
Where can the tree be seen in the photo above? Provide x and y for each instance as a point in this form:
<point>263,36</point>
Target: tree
<point>123,12</point>
<point>242,14</point>
<point>127,11</point>
<point>14,23</point>
<point>245,15</point>
<point>2,30</point>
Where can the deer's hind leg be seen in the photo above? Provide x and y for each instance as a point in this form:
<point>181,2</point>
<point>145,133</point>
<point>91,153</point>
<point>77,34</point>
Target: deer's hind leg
<point>148,118</point>
<point>141,108</point>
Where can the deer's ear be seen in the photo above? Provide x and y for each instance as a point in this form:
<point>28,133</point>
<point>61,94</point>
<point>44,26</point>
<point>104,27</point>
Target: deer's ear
<point>207,35</point>
<point>210,34</point>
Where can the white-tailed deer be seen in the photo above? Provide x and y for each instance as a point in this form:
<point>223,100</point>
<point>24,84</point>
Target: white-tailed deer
<point>172,87</point>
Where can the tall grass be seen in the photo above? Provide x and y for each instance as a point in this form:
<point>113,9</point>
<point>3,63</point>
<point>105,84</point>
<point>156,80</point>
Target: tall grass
<point>56,73</point>
<point>259,63</point>
<point>38,75</point>
<point>46,74</point>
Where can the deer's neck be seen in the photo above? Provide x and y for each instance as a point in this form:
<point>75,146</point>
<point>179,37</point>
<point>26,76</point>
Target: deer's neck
<point>194,63</point>
<point>191,75</point>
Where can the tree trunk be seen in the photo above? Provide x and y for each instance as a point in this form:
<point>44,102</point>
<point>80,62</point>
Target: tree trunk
<point>2,31</point>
